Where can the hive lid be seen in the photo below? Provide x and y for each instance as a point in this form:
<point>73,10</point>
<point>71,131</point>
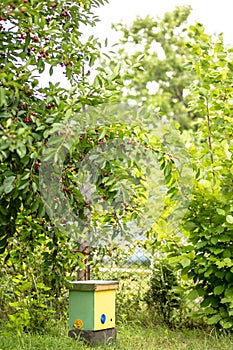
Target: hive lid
<point>93,285</point>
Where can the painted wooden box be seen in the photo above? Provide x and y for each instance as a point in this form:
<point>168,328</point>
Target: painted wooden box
<point>92,305</point>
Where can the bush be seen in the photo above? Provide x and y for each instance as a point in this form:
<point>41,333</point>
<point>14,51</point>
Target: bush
<point>35,268</point>
<point>161,297</point>
<point>211,268</point>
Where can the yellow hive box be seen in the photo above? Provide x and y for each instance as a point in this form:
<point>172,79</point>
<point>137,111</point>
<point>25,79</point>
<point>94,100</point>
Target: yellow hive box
<point>92,305</point>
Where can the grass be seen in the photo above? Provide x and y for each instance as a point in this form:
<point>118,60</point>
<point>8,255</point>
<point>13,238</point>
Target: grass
<point>131,336</point>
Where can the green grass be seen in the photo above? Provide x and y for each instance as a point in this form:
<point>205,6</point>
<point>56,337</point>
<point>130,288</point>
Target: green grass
<point>131,336</point>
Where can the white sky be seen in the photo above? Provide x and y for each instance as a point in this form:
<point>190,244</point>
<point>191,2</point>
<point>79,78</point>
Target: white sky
<point>216,15</point>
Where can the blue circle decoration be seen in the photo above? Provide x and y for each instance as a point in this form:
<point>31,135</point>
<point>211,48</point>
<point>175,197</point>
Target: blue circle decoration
<point>103,318</point>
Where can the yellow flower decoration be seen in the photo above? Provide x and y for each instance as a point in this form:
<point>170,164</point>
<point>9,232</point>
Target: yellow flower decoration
<point>78,324</point>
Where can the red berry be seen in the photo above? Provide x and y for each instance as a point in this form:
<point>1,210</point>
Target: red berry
<point>66,190</point>
<point>25,1</point>
<point>64,13</point>
<point>23,11</point>
<point>37,165</point>
<point>80,138</point>
<point>27,120</point>
<point>53,6</point>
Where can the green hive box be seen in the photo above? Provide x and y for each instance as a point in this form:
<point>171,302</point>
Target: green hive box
<point>92,307</point>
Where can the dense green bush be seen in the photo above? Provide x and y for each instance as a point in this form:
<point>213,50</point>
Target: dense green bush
<point>36,266</point>
<point>206,253</point>
<point>210,241</point>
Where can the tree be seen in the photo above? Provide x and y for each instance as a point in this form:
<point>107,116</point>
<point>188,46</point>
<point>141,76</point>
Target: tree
<point>192,84</point>
<point>161,82</point>
<point>206,258</point>
<point>38,36</point>
<point>36,122</point>
<point>35,36</point>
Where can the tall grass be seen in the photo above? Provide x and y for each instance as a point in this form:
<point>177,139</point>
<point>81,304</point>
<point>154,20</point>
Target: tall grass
<point>130,336</point>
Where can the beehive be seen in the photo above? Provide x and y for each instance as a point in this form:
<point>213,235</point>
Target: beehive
<point>92,305</point>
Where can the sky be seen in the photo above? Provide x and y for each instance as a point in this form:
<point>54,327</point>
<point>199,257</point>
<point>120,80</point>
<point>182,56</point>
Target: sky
<point>216,15</point>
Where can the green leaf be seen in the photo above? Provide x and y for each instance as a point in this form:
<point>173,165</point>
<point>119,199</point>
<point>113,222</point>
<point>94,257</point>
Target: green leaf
<point>8,184</point>
<point>2,97</point>
<point>229,219</point>
<point>27,41</point>
<point>193,294</point>
<point>219,289</point>
<point>15,304</point>
<point>102,134</point>
<point>214,319</point>
<point>92,61</point>
<point>185,262</point>
<point>214,240</point>
<point>41,65</point>
<point>229,292</point>
<point>226,324</point>
<point>221,211</point>
<point>21,150</point>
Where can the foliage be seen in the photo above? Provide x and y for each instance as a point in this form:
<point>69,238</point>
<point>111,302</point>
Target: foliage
<point>119,262</point>
<point>89,167</point>
<point>200,71</point>
<point>162,296</point>
<point>206,256</point>
<point>160,82</point>
<point>38,36</point>
<point>211,264</point>
<point>59,153</point>
<point>34,276</point>
<point>102,179</point>
<point>39,125</point>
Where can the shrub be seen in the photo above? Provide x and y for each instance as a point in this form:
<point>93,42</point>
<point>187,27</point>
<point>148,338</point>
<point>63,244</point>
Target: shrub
<point>211,268</point>
<point>161,296</point>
